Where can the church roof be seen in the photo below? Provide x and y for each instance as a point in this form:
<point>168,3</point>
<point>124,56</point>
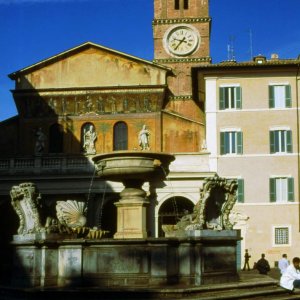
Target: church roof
<point>77,49</point>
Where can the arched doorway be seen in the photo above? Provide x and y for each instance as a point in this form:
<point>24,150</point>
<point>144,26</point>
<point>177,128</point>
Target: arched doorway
<point>56,138</point>
<point>120,136</point>
<point>172,210</point>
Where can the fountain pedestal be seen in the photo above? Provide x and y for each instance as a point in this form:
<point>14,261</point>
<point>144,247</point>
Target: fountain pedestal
<point>131,212</point>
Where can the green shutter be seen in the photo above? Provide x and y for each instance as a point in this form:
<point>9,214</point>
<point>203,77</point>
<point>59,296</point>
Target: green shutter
<point>288,96</point>
<point>291,189</point>
<point>289,143</point>
<point>272,142</point>
<point>272,190</point>
<point>240,191</point>
<point>222,143</point>
<point>238,98</point>
<point>271,96</point>
<point>222,98</point>
<point>239,142</point>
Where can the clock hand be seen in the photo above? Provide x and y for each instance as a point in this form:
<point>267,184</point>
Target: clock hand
<point>180,42</point>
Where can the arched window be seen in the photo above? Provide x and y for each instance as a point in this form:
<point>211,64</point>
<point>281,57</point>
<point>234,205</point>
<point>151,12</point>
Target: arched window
<point>172,210</point>
<point>56,138</point>
<point>120,136</point>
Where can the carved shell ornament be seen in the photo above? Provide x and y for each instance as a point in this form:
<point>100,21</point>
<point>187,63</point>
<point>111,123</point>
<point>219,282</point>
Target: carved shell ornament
<point>71,213</point>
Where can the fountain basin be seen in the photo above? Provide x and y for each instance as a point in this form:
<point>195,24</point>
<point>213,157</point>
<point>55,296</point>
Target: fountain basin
<point>157,262</point>
<point>138,165</point>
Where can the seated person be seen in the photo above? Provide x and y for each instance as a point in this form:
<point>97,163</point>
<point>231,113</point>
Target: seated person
<point>263,266</point>
<point>290,279</point>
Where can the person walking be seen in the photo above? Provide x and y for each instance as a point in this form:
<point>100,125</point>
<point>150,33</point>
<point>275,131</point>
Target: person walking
<point>262,265</point>
<point>283,264</point>
<point>290,279</point>
<point>246,263</point>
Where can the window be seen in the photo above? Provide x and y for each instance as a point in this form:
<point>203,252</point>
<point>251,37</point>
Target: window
<point>186,4</point>
<point>231,142</point>
<point>120,136</point>
<point>176,4</point>
<point>230,97</point>
<point>281,141</point>
<point>281,236</point>
<point>280,96</point>
<point>282,189</point>
<point>56,138</point>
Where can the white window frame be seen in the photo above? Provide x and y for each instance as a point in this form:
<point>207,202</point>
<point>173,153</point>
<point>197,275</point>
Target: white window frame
<point>289,227</point>
<point>232,131</point>
<point>282,136</point>
<point>235,85</point>
<point>280,84</point>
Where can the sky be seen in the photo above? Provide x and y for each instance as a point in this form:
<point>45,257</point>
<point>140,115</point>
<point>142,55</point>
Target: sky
<point>33,30</point>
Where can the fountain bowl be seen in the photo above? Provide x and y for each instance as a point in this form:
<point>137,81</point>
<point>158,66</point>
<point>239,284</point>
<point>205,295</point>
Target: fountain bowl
<point>127,165</point>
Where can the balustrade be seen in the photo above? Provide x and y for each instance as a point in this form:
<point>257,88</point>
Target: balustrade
<point>44,164</point>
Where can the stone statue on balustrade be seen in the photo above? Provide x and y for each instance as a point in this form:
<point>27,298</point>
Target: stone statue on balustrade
<point>144,136</point>
<point>40,142</point>
<point>89,138</point>
<point>212,211</point>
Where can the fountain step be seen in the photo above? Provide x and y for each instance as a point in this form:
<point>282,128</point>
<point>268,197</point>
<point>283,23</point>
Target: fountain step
<point>253,288</point>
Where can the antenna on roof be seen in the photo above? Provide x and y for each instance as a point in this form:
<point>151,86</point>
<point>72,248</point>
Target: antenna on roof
<point>251,44</point>
<point>230,48</point>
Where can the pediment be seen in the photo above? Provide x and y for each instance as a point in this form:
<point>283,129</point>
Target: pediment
<point>90,65</point>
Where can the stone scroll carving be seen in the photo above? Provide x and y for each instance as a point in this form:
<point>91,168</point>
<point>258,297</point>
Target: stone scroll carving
<point>70,216</point>
<point>212,211</point>
<point>25,200</point>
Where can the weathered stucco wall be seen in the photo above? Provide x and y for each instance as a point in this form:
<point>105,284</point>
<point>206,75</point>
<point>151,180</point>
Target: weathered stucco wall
<point>90,68</point>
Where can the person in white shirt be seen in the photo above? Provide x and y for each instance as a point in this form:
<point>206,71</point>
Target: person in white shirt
<point>283,263</point>
<point>290,279</point>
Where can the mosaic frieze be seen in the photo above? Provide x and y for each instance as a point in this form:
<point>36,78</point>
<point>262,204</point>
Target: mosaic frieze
<point>94,104</point>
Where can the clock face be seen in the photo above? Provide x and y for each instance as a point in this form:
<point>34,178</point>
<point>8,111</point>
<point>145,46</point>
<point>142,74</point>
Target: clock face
<point>182,40</point>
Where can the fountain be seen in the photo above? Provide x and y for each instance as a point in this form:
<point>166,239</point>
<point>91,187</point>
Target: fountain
<point>133,169</point>
<point>199,249</point>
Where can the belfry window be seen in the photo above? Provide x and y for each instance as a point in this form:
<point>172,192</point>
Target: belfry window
<point>176,4</point>
<point>185,4</point>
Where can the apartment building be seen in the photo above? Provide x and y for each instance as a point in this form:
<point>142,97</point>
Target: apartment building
<point>252,133</point>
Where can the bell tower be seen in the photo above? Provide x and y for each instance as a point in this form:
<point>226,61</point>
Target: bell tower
<point>181,31</point>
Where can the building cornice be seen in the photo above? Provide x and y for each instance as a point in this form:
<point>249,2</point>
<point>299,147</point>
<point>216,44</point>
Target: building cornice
<point>139,89</point>
<point>181,97</point>
<point>183,20</point>
<point>206,59</point>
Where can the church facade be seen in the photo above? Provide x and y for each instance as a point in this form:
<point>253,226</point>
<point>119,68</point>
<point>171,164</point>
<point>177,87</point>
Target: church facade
<point>91,100</point>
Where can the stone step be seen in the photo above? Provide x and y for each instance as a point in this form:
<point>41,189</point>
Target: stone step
<point>253,290</point>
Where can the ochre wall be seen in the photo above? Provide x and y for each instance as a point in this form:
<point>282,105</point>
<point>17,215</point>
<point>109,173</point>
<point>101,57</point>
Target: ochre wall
<point>92,67</point>
<point>181,135</point>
